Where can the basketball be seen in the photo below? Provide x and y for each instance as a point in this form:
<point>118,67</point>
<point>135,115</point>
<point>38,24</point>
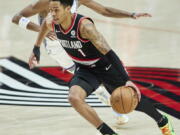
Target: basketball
<point>124,99</point>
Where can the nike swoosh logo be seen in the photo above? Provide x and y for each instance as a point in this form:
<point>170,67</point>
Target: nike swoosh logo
<point>107,68</point>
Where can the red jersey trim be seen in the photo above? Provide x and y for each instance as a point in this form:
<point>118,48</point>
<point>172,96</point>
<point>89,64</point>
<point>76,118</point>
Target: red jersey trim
<point>79,59</point>
<point>72,24</point>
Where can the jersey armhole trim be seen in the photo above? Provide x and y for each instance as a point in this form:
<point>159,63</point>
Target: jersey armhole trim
<point>78,31</point>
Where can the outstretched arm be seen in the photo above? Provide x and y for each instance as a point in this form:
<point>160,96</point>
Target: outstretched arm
<point>23,21</point>
<point>29,11</point>
<point>111,12</point>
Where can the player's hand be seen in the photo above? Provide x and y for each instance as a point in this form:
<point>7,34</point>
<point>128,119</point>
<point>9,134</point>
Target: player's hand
<point>131,84</point>
<point>34,58</point>
<point>51,35</point>
<point>138,15</point>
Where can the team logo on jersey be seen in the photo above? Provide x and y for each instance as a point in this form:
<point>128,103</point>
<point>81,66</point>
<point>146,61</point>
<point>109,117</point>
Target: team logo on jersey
<point>73,34</point>
<point>47,86</point>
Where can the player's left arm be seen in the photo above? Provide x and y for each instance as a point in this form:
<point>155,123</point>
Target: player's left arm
<point>89,31</point>
<point>111,12</point>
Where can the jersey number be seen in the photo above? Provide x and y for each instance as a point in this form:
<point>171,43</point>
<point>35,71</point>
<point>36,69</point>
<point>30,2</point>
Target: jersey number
<point>81,52</point>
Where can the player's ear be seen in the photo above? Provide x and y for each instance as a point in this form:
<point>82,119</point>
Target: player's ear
<point>68,8</point>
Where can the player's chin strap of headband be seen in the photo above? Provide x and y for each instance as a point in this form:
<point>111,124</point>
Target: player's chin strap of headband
<point>23,22</point>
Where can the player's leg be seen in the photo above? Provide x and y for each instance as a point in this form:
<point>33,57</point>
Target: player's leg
<point>77,97</point>
<point>168,128</point>
<point>80,87</point>
<point>162,120</point>
<point>144,105</point>
<point>104,96</point>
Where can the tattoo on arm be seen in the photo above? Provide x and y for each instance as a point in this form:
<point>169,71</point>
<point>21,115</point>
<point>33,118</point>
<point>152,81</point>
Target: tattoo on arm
<point>88,31</point>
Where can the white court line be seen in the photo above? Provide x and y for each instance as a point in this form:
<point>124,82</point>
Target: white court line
<point>30,75</point>
<point>42,99</point>
<point>20,86</point>
<point>18,93</point>
<point>41,103</point>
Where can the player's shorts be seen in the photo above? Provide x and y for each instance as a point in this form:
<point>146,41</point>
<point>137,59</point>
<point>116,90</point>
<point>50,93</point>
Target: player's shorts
<point>90,78</point>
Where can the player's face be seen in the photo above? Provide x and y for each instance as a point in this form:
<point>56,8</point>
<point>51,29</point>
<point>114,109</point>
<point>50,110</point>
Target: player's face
<point>58,11</point>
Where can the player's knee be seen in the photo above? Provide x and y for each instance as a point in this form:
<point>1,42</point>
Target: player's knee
<point>74,96</point>
<point>73,99</point>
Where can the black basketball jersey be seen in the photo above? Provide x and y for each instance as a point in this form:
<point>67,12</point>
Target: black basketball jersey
<point>81,51</point>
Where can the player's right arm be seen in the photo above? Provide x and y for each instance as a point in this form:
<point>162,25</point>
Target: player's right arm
<point>35,56</point>
<point>29,11</point>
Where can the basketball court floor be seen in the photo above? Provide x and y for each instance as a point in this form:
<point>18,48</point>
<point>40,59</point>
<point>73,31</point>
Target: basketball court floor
<point>35,102</point>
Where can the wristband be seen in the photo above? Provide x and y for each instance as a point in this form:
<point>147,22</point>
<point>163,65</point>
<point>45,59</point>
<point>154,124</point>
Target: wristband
<point>23,22</point>
<point>133,14</point>
<point>36,51</point>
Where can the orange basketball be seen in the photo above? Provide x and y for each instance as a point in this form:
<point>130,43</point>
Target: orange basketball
<point>124,99</point>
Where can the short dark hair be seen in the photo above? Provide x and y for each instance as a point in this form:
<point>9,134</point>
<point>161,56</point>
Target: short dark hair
<point>65,2</point>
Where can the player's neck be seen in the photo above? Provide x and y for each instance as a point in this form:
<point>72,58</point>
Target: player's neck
<point>67,22</point>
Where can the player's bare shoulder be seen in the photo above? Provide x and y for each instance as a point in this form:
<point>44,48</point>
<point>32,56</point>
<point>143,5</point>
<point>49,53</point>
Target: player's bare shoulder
<point>41,6</point>
<point>86,26</point>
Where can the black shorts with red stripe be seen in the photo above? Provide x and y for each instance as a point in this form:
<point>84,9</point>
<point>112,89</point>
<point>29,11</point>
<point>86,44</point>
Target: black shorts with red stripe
<point>91,77</point>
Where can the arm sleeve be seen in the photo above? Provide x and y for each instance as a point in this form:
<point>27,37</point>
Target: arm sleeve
<point>116,62</point>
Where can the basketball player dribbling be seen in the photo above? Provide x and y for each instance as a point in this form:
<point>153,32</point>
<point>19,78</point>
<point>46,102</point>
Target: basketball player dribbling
<point>52,45</point>
<point>96,64</point>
